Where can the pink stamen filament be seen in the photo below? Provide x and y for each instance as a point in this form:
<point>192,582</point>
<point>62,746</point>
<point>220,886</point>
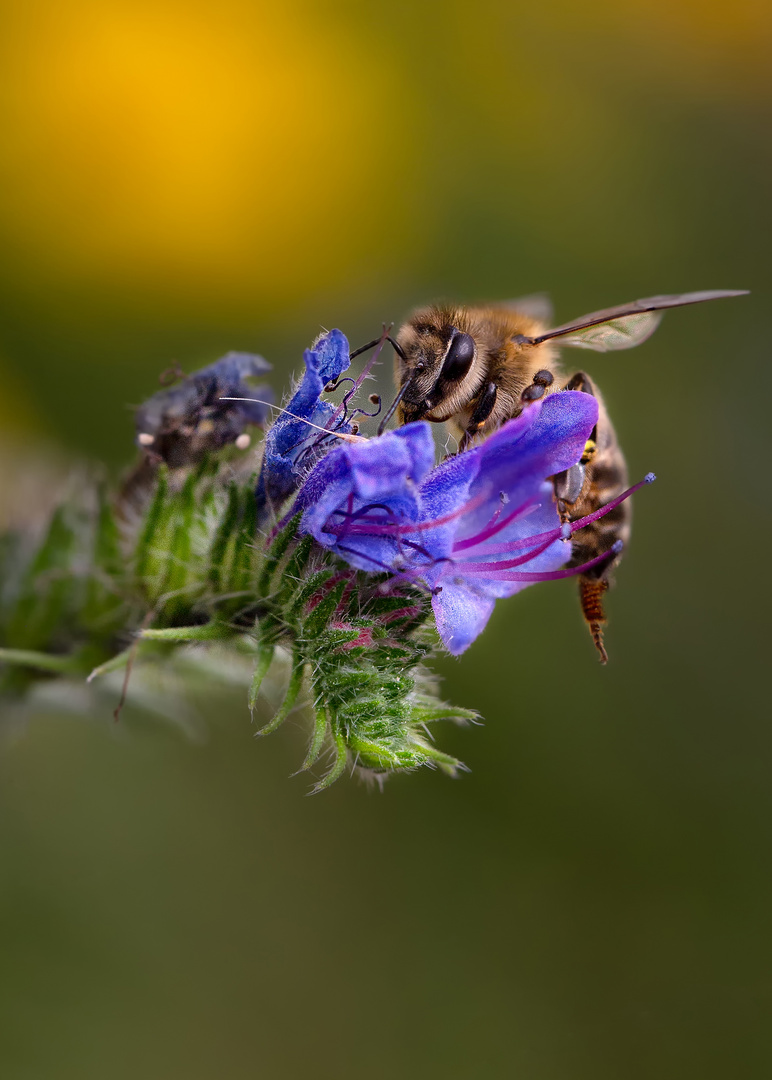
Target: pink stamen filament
<point>392,530</point>
<point>407,574</point>
<point>560,533</point>
<point>363,526</point>
<point>494,526</point>
<point>507,564</point>
<point>546,575</point>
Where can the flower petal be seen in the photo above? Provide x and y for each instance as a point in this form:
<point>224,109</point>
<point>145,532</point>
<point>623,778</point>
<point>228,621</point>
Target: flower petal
<point>331,353</point>
<point>551,442</point>
<point>461,613</point>
<point>360,483</point>
<point>294,442</point>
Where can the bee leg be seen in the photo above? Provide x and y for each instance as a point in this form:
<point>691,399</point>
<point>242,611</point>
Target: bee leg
<point>568,488</point>
<point>538,386</point>
<point>482,410</point>
<point>570,484</point>
<point>580,381</point>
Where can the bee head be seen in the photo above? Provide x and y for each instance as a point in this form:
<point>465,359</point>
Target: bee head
<point>433,365</point>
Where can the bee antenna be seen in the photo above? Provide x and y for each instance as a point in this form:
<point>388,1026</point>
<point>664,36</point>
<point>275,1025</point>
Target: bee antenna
<point>393,407</point>
<point>384,337</point>
<point>396,347</point>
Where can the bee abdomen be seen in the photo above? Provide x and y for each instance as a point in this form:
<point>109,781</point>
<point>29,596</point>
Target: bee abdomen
<point>591,592</point>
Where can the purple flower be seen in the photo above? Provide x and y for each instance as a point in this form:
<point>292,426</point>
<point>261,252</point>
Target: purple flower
<point>185,421</point>
<point>294,442</point>
<point>480,526</point>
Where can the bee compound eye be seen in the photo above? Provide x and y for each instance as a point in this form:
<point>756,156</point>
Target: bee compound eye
<point>459,357</point>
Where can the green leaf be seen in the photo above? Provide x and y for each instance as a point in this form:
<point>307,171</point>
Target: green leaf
<point>212,631</point>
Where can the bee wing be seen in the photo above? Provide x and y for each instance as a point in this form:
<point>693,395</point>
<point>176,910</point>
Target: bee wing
<point>627,325</point>
<point>535,306</point>
<point>622,333</point>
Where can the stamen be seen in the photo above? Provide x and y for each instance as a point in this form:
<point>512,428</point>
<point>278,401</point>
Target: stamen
<point>395,573</point>
<point>649,478</point>
<point>563,532</point>
<point>379,343</point>
<point>556,575</point>
<point>302,419</point>
<point>494,526</point>
<point>506,564</point>
<point>419,526</point>
<point>374,399</point>
<point>357,516</point>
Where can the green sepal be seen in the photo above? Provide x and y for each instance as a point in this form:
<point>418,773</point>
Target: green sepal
<point>317,739</point>
<point>303,594</point>
<point>317,619</point>
<point>246,556</point>
<point>115,663</point>
<point>297,675</point>
<point>49,590</point>
<point>223,541</point>
<point>276,552</point>
<point>59,665</point>
<point>292,574</point>
<point>341,757</point>
<point>179,578</point>
<point>265,652</point>
<point>156,512</point>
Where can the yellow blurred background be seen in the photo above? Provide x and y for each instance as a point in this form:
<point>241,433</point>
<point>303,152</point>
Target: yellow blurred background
<point>181,179</point>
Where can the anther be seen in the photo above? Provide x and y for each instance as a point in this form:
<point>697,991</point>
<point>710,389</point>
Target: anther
<point>544,378</point>
<point>649,478</point>
<point>243,441</point>
<point>145,439</point>
<point>533,392</point>
<point>374,399</point>
<point>333,385</point>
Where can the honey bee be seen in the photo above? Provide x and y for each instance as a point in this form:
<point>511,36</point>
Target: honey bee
<point>477,367</point>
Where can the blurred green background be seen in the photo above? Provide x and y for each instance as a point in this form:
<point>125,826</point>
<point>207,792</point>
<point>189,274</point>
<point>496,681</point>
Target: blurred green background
<point>593,900</point>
